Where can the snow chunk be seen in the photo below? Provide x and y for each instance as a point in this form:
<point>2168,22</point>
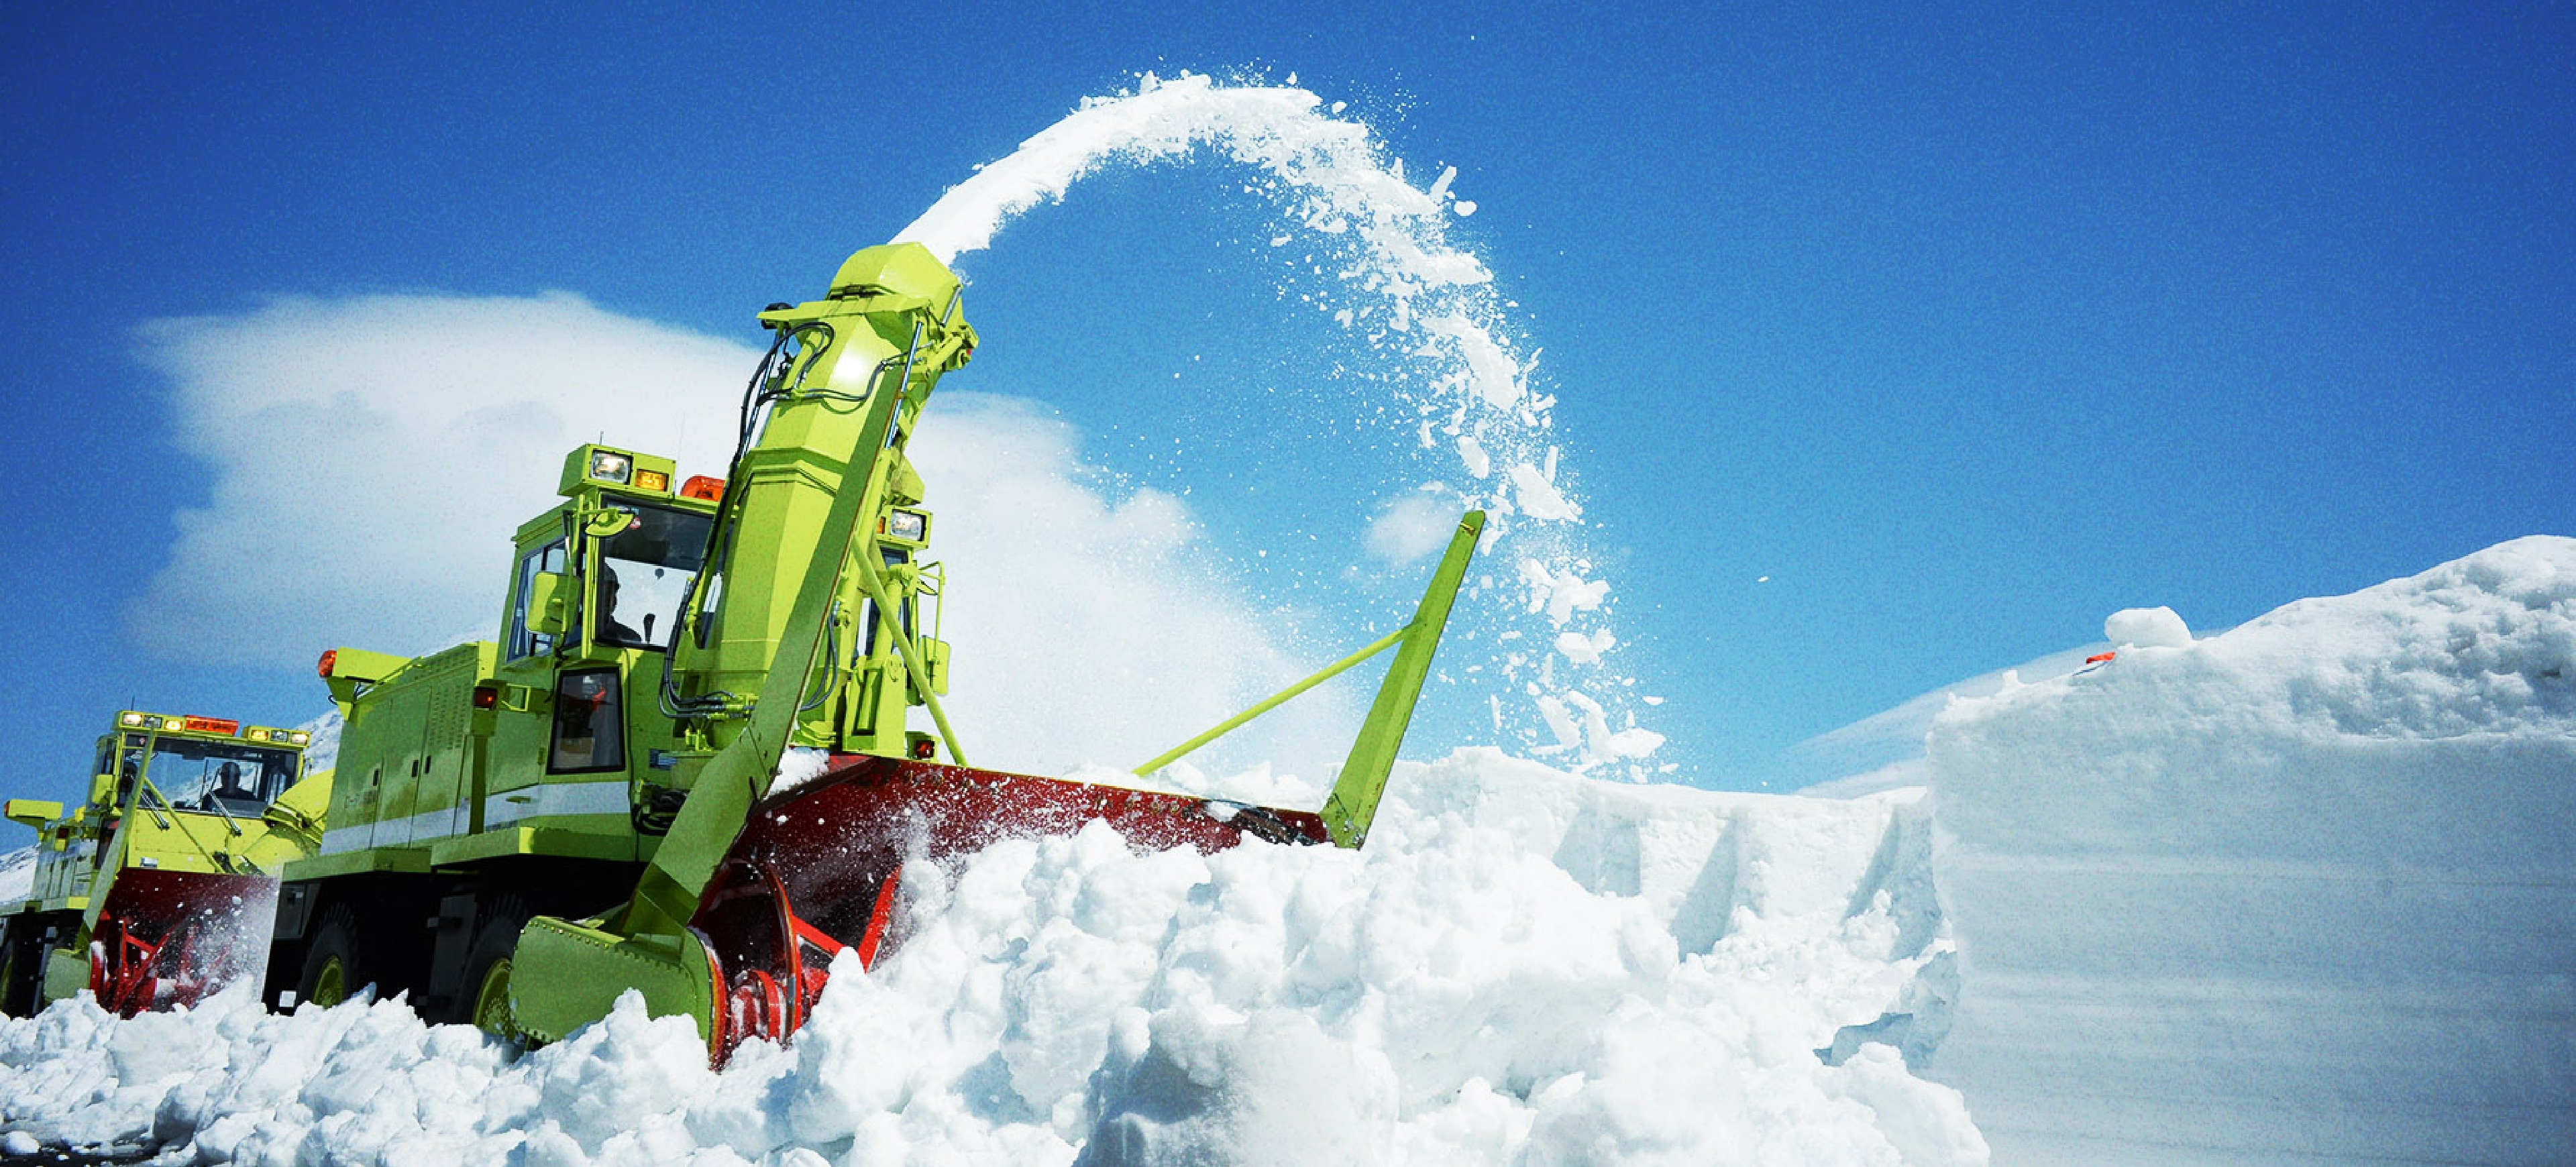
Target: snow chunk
<point>798,766</point>
<point>1582,649</point>
<point>1561,593</point>
<point>1539,498</point>
<point>1472,455</point>
<point>2146,628</point>
<point>1490,373</point>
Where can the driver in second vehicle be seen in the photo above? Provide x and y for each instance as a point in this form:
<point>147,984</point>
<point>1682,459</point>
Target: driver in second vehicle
<point>609,628</point>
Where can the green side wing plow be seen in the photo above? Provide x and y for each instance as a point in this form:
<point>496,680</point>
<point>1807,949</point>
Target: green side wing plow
<point>1353,804</point>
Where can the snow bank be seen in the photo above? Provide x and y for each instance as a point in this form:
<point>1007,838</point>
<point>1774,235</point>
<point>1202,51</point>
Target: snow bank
<point>1523,967</point>
<point>2301,892</point>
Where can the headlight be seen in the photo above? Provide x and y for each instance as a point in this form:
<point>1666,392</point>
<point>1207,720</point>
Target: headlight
<point>130,719</point>
<point>908,525</point>
<point>652,480</point>
<point>298,737</point>
<point>170,723</point>
<point>257,735</point>
<point>608,466</point>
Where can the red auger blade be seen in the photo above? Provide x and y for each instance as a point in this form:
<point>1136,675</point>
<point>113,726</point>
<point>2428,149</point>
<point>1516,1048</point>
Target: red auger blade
<point>816,870</point>
<point>171,938</point>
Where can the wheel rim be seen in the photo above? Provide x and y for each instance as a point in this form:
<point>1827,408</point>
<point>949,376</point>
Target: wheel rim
<point>492,1000</point>
<point>331,985</point>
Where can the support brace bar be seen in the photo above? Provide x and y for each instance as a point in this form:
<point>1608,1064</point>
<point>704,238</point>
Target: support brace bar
<point>1275,700</point>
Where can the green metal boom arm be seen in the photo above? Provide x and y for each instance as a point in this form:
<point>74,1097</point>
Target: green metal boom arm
<point>740,774</point>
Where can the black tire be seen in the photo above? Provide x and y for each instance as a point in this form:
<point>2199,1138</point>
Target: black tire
<point>333,970</point>
<point>497,923</point>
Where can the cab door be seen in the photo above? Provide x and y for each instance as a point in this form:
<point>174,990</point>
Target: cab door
<point>521,735</point>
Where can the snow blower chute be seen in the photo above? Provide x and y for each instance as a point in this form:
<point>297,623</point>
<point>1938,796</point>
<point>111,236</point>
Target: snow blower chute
<point>592,804</point>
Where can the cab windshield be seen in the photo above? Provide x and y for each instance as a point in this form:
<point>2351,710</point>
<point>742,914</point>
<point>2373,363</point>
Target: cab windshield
<point>644,575</point>
<point>209,776</point>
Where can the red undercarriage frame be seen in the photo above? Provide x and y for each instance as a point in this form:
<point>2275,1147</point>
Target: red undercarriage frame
<point>815,872</point>
<point>168,938</point>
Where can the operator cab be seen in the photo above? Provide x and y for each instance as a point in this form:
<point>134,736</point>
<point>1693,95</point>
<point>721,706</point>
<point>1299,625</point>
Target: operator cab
<point>622,553</point>
<point>599,583</point>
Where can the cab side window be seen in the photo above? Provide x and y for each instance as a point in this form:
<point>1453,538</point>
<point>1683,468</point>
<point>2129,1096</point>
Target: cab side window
<point>590,729</point>
<point>524,641</point>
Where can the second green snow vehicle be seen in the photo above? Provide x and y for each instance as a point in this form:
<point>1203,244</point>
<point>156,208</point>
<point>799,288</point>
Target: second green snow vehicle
<point>156,891</point>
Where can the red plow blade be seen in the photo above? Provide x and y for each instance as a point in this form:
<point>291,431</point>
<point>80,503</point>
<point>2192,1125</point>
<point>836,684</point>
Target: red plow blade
<point>816,870</point>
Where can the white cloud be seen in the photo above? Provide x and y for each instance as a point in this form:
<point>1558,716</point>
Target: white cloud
<point>371,457</point>
<point>1092,625</point>
<point>1412,527</point>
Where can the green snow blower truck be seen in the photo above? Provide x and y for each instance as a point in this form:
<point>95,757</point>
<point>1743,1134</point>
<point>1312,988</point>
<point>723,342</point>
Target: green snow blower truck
<point>157,891</point>
<point>524,829</point>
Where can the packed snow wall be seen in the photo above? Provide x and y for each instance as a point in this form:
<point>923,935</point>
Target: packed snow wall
<point>1522,967</point>
<point>2301,893</point>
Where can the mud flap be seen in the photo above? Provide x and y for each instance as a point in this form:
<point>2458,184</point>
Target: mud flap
<point>66,974</point>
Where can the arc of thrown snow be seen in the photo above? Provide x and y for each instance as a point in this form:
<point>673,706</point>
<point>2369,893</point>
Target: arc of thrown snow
<point>1277,129</point>
<point>1336,180</point>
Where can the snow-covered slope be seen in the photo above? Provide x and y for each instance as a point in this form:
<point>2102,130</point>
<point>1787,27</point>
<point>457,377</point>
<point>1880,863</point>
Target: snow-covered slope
<point>17,874</point>
<point>1884,751</point>
<point>2304,892</point>
<point>1522,967</point>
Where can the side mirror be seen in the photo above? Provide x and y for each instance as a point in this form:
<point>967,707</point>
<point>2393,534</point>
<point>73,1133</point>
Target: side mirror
<point>602,524</point>
<point>549,602</point>
<point>934,663</point>
<point>29,812</point>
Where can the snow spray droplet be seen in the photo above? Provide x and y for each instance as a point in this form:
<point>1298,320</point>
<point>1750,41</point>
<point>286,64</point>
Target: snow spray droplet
<point>1427,305</point>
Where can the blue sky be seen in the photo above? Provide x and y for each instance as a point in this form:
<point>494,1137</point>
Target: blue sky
<point>1964,330</point>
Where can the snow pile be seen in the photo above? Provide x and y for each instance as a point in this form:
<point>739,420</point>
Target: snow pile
<point>2300,892</point>
<point>17,874</point>
<point>1522,967</point>
<point>1420,299</point>
<point>322,745</point>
